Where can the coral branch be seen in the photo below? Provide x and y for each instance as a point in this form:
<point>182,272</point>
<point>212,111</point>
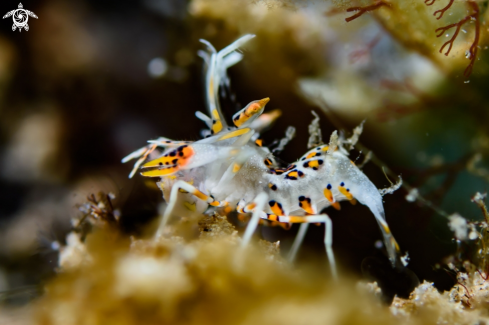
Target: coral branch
<point>474,16</point>
<point>454,36</point>
<point>362,10</point>
<point>473,47</point>
<point>442,11</point>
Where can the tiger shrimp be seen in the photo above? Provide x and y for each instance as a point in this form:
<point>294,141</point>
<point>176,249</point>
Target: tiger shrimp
<point>229,168</point>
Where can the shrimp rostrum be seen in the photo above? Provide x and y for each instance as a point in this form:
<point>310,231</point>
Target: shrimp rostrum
<point>229,168</point>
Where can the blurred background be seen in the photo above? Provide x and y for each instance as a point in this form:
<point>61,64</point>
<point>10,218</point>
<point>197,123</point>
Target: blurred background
<point>92,81</point>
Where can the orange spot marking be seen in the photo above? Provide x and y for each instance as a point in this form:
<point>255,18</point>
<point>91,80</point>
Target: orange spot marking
<point>293,174</point>
<point>259,142</point>
<point>272,217</point>
<point>306,206</point>
<point>251,110</point>
<point>160,172</point>
<point>336,205</point>
<point>200,195</point>
<point>228,209</point>
<point>329,195</point>
<point>345,192</point>
<point>312,154</point>
<point>233,134</point>
<point>219,204</point>
<point>353,201</point>
<point>276,209</point>
<point>325,148</point>
<point>217,126</point>
<point>177,157</point>
<point>386,228</point>
<point>250,206</point>
<point>313,164</point>
<point>236,168</point>
<point>295,219</point>
<point>396,245</point>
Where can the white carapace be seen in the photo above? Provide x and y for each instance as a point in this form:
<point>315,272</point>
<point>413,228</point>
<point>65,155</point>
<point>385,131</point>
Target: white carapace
<point>230,168</point>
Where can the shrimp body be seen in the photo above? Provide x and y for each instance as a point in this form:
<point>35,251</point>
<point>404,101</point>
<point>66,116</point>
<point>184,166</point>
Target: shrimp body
<point>229,168</point>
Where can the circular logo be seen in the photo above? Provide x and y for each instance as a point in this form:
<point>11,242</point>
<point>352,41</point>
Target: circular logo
<point>20,17</point>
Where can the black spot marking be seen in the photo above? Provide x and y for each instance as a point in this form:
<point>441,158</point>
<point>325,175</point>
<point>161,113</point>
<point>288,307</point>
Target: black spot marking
<point>173,153</point>
<point>160,163</point>
<point>273,187</point>
<point>303,158</point>
<point>348,190</point>
<point>320,161</point>
<point>214,121</point>
<point>174,161</point>
<point>342,184</point>
<point>272,203</point>
<point>301,174</point>
<point>302,198</point>
<point>318,148</point>
<point>329,186</point>
<point>306,164</point>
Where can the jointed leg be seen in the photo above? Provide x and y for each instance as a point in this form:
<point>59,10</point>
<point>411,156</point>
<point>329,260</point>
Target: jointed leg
<point>328,234</point>
<point>391,244</point>
<point>143,153</point>
<point>299,238</point>
<point>182,185</point>
<point>257,207</point>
